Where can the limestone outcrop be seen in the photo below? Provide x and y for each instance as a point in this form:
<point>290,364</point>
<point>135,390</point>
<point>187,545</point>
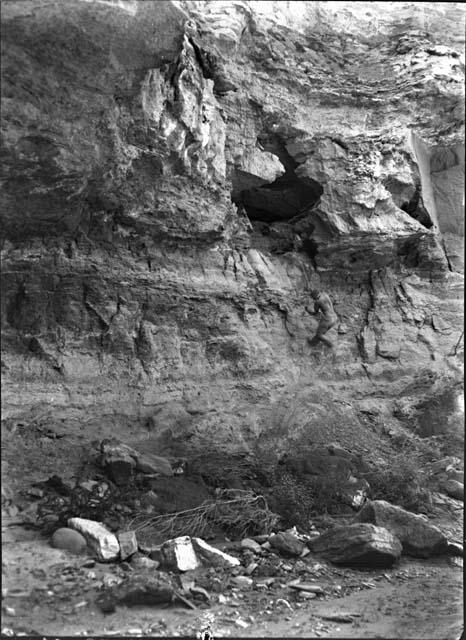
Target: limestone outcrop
<point>178,175</point>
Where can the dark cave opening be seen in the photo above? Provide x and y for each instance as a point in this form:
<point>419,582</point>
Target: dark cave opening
<point>284,199</point>
<point>280,212</point>
<point>414,207</point>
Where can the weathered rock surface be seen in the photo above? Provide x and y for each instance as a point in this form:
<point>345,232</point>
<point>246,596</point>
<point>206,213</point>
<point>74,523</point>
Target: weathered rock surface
<point>178,175</point>
<point>287,543</point>
<point>364,545</point>
<point>144,589</point>
<point>102,541</point>
<point>418,537</point>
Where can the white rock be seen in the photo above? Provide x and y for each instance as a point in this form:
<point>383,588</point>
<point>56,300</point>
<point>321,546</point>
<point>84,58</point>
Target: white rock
<point>212,556</point>
<point>100,539</point>
<point>179,554</point>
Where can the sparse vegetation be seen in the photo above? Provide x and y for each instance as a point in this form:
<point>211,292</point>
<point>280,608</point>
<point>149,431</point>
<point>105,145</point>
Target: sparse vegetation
<point>237,513</point>
<point>400,481</point>
<point>297,500</point>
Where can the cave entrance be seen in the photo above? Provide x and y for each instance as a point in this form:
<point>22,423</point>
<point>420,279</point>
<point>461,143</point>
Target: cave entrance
<point>410,202</point>
<point>284,199</point>
<point>415,208</point>
<point>280,200</point>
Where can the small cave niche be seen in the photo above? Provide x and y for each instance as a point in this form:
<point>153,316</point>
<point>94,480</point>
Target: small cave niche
<point>414,207</point>
<point>285,198</point>
<point>280,200</point>
<point>408,201</point>
<point>279,211</point>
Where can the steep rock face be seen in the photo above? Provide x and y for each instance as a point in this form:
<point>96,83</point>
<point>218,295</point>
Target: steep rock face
<point>178,175</point>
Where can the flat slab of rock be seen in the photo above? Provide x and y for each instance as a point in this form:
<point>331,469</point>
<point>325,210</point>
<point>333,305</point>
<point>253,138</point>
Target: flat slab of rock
<point>212,557</point>
<point>100,539</point>
<point>418,537</point>
<point>363,545</point>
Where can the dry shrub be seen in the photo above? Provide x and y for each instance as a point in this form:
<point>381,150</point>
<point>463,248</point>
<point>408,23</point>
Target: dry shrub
<point>400,481</point>
<point>238,513</point>
<point>224,470</point>
<point>297,500</point>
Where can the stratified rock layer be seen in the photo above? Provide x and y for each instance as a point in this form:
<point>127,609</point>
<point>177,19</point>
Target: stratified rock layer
<point>178,175</point>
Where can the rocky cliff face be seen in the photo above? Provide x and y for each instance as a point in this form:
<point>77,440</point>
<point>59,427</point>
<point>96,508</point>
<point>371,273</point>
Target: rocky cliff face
<point>178,175</point>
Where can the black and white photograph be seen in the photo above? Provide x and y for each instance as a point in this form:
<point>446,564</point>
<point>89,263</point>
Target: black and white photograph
<point>232,319</point>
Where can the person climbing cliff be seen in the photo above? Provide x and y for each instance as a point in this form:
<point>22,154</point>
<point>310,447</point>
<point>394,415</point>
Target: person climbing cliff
<point>328,317</point>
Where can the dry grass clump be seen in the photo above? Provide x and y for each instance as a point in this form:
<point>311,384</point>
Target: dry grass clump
<point>227,470</point>
<point>238,513</point>
<point>400,481</point>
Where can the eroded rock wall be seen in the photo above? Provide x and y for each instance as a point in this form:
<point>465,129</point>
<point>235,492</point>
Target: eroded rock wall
<point>178,175</point>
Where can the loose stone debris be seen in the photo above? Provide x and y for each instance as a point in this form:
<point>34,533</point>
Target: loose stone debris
<point>188,572</point>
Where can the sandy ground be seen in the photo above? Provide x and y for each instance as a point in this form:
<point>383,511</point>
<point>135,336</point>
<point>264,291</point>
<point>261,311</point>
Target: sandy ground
<point>51,593</point>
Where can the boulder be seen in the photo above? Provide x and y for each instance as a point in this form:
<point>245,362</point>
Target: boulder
<point>360,544</point>
<point>100,539</point>
<point>286,543</point>
<point>144,589</point>
<point>148,463</point>
<point>418,537</point>
<point>128,544</point>
<point>69,540</point>
<point>120,461</point>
